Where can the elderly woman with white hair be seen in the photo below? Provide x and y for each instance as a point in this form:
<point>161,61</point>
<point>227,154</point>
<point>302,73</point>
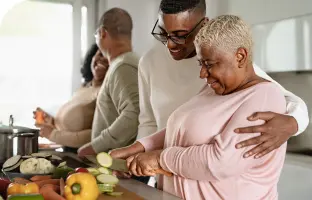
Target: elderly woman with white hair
<point>198,145</point>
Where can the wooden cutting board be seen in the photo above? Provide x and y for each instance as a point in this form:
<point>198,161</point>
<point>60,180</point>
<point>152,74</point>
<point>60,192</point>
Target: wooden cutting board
<point>127,195</point>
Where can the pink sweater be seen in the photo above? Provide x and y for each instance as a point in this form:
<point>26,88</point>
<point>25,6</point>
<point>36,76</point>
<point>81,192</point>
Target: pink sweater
<point>199,147</point>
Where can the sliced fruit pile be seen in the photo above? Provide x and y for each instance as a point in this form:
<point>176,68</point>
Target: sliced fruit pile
<point>37,163</point>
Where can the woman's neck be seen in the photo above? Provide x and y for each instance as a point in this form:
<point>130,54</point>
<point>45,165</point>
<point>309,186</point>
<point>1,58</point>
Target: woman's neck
<point>250,80</point>
<point>96,83</point>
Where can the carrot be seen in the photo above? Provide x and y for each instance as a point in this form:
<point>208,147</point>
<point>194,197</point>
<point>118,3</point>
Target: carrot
<point>49,192</point>
<point>50,181</point>
<point>62,187</point>
<point>40,178</point>
<point>21,180</point>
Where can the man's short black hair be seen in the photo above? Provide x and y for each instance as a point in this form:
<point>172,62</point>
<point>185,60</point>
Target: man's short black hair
<point>178,6</point>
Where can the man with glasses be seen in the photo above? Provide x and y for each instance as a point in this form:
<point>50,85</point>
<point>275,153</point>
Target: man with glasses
<point>167,80</point>
<point>166,83</point>
<point>115,122</point>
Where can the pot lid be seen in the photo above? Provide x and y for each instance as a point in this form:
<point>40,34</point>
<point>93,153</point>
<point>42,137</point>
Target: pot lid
<point>16,129</point>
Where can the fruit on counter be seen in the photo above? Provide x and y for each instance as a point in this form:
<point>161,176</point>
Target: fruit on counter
<point>107,179</point>
<point>82,170</point>
<point>104,170</point>
<point>93,171</point>
<point>12,163</point>
<point>36,166</point>
<point>16,188</point>
<point>20,180</point>
<point>104,159</point>
<point>4,183</point>
<point>26,197</point>
<point>81,186</point>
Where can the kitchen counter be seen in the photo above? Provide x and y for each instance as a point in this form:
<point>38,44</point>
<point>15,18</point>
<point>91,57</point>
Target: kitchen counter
<point>141,189</point>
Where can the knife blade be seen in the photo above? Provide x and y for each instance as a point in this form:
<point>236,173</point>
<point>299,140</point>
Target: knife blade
<point>117,164</point>
<point>121,165</point>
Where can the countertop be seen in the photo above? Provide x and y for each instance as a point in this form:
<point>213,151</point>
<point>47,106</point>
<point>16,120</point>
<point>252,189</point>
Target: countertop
<point>141,189</point>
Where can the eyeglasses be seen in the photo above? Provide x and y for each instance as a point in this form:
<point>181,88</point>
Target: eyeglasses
<point>164,37</point>
<point>97,31</point>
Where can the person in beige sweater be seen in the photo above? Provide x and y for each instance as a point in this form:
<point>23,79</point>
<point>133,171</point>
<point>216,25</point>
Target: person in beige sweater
<point>115,122</point>
<point>72,124</point>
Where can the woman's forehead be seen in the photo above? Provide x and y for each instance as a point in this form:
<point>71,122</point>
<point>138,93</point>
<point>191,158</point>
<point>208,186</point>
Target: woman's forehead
<point>210,52</point>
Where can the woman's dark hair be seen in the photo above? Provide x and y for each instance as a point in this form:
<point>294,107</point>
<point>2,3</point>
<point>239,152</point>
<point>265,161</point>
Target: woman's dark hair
<point>86,67</point>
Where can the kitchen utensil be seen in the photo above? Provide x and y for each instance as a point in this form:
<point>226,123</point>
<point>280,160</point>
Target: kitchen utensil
<point>17,140</point>
<point>121,165</point>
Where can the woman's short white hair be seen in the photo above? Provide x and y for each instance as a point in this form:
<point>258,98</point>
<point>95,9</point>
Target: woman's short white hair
<point>226,32</point>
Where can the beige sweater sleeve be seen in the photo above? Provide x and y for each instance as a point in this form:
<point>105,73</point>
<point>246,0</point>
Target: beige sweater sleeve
<point>123,89</point>
<point>71,139</point>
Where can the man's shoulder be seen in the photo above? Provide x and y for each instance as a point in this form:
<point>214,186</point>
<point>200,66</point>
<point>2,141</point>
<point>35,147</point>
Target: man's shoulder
<point>157,51</point>
<point>157,54</point>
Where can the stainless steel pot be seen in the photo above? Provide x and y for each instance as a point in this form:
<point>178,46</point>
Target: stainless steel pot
<point>17,140</point>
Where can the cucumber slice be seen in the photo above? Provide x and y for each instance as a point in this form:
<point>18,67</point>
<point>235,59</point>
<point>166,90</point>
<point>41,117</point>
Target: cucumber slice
<point>104,159</point>
<point>105,188</point>
<point>108,179</point>
<point>115,194</point>
<point>11,161</point>
<point>104,170</point>
<point>62,164</point>
<point>93,171</point>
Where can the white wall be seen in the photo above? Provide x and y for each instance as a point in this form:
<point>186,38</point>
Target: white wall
<point>144,15</point>
<point>282,31</point>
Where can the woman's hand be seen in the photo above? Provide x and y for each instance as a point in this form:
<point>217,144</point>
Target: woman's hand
<point>124,153</point>
<point>86,149</point>
<point>144,164</point>
<point>46,131</point>
<point>48,119</point>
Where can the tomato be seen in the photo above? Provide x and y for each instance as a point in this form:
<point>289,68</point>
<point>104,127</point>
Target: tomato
<point>81,170</point>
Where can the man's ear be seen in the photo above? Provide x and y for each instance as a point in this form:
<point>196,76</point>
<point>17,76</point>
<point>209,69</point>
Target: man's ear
<point>103,33</point>
<point>241,57</point>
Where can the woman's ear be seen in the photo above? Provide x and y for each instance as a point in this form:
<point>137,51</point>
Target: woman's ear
<point>241,57</point>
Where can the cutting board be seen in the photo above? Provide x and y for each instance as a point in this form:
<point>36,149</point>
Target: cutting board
<point>127,195</point>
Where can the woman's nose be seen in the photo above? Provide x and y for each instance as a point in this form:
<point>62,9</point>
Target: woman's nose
<point>203,72</point>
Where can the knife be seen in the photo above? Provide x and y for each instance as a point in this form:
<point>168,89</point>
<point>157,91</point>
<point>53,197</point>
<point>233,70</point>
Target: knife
<point>121,165</point>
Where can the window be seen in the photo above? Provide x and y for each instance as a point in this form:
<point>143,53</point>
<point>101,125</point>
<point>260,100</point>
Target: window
<point>84,31</point>
<point>36,48</point>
